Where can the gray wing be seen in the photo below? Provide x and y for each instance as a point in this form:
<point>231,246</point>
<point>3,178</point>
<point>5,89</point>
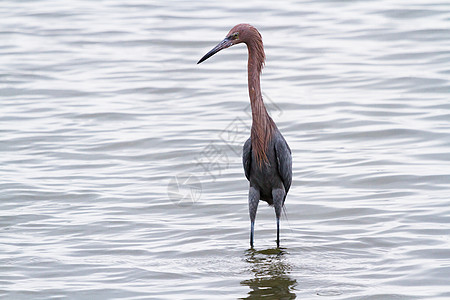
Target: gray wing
<point>284,160</point>
<point>247,158</point>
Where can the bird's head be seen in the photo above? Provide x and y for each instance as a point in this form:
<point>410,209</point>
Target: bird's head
<point>238,34</point>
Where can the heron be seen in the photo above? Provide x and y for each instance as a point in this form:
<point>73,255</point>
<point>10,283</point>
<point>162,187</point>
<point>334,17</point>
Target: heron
<point>266,155</point>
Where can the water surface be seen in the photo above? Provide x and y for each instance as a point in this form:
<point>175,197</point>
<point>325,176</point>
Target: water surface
<point>120,162</point>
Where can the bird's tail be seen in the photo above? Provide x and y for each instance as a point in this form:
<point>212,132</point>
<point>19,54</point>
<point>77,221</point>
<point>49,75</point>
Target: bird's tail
<point>286,216</point>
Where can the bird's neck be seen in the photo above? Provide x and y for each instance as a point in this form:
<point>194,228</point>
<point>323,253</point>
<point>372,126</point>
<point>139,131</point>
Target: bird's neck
<point>262,124</point>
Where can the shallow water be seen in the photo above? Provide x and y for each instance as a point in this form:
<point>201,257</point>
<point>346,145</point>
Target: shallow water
<point>121,174</point>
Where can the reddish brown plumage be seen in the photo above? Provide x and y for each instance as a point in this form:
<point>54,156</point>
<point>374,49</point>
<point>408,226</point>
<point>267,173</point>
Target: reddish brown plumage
<point>262,125</point>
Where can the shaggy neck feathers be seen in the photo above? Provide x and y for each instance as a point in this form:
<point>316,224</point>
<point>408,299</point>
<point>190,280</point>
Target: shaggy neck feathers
<point>262,125</point>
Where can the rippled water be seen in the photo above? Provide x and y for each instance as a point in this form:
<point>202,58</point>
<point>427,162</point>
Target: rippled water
<point>120,162</point>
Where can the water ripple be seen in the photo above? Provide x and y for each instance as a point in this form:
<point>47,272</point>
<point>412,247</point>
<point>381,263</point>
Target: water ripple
<point>104,111</point>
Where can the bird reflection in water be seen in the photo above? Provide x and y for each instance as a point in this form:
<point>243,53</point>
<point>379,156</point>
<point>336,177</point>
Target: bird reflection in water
<point>271,278</point>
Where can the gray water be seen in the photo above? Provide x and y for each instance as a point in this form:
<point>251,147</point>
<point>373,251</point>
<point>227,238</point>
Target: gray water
<point>120,168</point>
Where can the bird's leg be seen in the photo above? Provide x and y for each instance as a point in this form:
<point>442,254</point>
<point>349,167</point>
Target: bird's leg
<point>253,200</point>
<point>278,197</point>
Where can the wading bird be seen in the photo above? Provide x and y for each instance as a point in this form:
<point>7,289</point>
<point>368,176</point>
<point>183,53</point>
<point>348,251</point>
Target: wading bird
<point>266,155</point>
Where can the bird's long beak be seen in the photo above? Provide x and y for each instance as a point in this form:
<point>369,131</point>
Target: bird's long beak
<point>222,45</point>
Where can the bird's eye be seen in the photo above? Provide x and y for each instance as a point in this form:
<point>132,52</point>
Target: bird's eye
<point>235,35</point>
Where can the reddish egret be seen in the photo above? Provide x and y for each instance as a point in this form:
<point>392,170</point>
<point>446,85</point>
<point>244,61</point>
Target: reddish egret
<point>266,156</point>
